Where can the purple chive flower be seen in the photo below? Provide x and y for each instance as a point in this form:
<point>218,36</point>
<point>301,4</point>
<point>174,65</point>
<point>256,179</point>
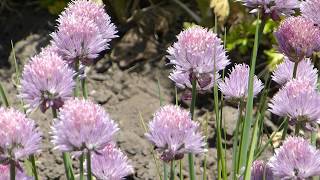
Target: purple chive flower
<point>174,133</point>
<point>82,125</point>
<point>306,71</point>
<point>5,173</point>
<point>275,8</point>
<point>95,12</point>
<point>78,38</point>
<point>310,9</point>
<point>19,136</point>
<point>260,171</point>
<point>295,159</point>
<point>297,38</point>
<point>110,164</point>
<point>298,100</point>
<point>235,87</point>
<point>46,82</point>
<point>198,54</point>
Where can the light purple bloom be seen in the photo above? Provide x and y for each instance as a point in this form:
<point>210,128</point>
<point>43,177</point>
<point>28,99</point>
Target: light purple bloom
<point>46,82</point>
<point>82,125</point>
<point>174,133</point>
<point>95,12</point>
<point>198,54</point>
<point>110,164</point>
<point>235,86</point>
<point>310,9</point>
<point>78,38</point>
<point>305,71</point>
<point>298,100</point>
<point>295,159</point>
<point>5,173</point>
<point>297,38</point>
<point>19,136</point>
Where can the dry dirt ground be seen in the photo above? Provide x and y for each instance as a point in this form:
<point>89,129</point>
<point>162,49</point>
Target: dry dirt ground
<point>125,83</point>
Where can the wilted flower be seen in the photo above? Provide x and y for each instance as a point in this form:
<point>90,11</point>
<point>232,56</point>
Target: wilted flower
<point>198,54</point>
<point>235,86</point>
<point>295,159</point>
<point>5,173</point>
<point>110,164</point>
<point>19,136</point>
<point>305,71</point>
<point>82,125</point>
<point>46,82</point>
<point>95,12</point>
<point>298,38</point>
<point>298,100</point>
<point>78,38</point>
<point>174,133</point>
<point>310,9</point>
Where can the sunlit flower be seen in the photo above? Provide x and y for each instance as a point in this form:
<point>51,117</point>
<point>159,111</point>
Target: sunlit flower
<point>299,101</point>
<point>95,12</point>
<point>46,82</point>
<point>5,173</point>
<point>82,125</point>
<point>305,71</point>
<point>198,54</point>
<point>310,9</point>
<point>110,164</point>
<point>19,136</point>
<point>295,159</point>
<point>78,38</point>
<point>174,133</point>
<point>298,38</point>
<point>236,85</point>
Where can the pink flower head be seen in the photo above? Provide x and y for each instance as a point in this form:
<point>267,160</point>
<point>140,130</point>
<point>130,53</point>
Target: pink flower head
<point>110,164</point>
<point>297,38</point>
<point>298,100</point>
<point>295,159</point>
<point>305,71</point>
<point>19,136</point>
<point>5,173</point>
<point>81,125</point>
<point>236,85</point>
<point>174,133</point>
<point>95,12</point>
<point>198,54</point>
<point>46,82</point>
<point>310,9</point>
<point>78,38</point>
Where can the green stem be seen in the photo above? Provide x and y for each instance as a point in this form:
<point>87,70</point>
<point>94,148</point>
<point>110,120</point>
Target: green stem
<point>81,166</point>
<point>297,129</point>
<point>84,88</point>
<point>295,69</point>
<point>285,129</point>
<point>89,174</point>
<point>34,167</point>
<point>192,107</point>
<point>76,68</point>
<point>3,96</point>
<point>165,171</point>
<point>172,170</point>
<point>180,169</point>
<point>249,106</point>
<point>235,153</point>
<point>12,170</point>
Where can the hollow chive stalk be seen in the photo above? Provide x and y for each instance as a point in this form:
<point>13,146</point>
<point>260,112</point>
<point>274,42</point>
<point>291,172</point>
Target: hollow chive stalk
<point>245,137</point>
<point>89,173</point>
<point>192,107</point>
